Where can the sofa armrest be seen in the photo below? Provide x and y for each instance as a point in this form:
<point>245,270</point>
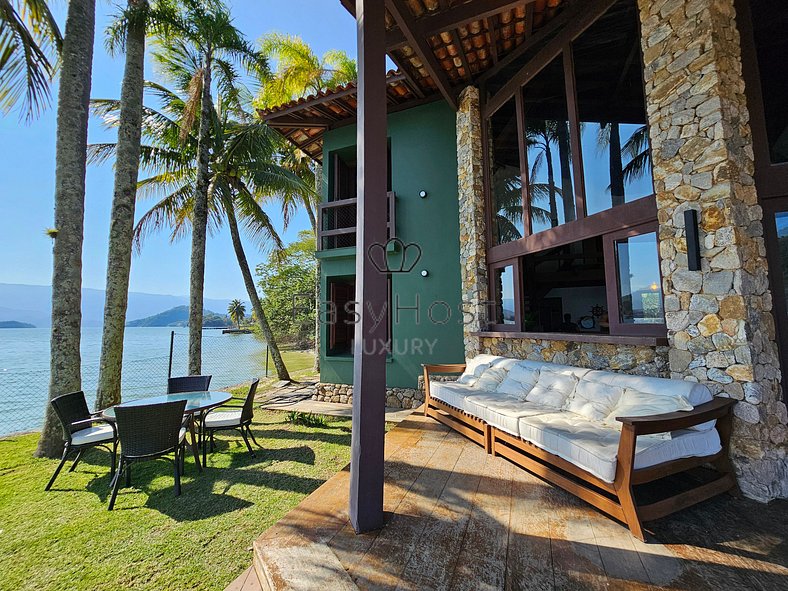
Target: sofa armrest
<point>672,421</point>
<point>443,368</point>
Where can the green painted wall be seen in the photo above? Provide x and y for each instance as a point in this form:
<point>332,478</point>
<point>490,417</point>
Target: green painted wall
<point>423,157</point>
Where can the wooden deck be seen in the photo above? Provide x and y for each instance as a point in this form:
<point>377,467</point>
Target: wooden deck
<point>458,518</point>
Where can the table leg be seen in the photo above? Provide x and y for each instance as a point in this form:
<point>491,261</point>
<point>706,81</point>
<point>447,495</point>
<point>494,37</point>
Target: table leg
<point>195,448</point>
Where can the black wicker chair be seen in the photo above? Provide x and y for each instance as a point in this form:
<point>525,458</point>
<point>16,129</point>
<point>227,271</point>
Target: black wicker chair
<point>148,432</point>
<point>188,384</point>
<point>218,419</point>
<point>82,430</point>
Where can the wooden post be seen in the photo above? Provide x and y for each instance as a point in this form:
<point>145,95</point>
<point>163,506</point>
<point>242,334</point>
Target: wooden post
<point>369,362</point>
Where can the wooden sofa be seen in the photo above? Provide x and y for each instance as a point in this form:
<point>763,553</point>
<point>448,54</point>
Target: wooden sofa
<point>616,498</point>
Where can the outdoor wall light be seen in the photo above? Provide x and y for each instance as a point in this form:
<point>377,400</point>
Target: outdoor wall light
<point>423,194</point>
<point>692,232</point>
<point>425,273</point>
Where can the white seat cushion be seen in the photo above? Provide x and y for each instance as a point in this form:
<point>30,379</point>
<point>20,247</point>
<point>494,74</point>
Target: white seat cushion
<point>230,418</point>
<point>594,400</point>
<point>552,388</point>
<point>451,393</point>
<point>96,434</point>
<point>181,434</point>
<point>503,411</point>
<point>594,447</point>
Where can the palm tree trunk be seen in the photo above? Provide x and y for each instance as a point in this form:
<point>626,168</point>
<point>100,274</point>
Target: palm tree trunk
<point>551,183</point>
<point>251,290</point>
<point>616,166</point>
<point>121,231</point>
<point>200,224</point>
<point>567,190</point>
<point>71,157</point>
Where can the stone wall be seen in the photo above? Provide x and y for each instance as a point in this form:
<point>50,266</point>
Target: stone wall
<point>395,397</point>
<point>473,257</point>
<point>719,319</point>
<point>634,359</point>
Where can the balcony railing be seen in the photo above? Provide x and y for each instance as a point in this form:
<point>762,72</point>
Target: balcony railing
<point>337,222</point>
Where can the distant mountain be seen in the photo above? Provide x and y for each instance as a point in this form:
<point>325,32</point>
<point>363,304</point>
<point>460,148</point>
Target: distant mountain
<point>179,316</point>
<point>32,304</point>
<point>15,324</point>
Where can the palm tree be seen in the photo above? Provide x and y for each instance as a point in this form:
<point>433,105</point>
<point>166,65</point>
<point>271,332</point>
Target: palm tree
<point>237,312</point>
<point>30,41</point>
<point>70,155</point>
<point>244,171</point>
<point>300,71</point>
<point>207,36</point>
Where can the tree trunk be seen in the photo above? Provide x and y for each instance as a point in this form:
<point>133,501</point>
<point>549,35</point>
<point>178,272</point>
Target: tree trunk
<point>567,190</point>
<point>616,166</point>
<point>71,158</point>
<point>200,225</point>
<point>551,183</point>
<point>251,290</point>
<point>121,231</point>
<point>313,220</point>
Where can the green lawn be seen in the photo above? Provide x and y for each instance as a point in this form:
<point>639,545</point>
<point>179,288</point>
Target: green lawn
<point>66,539</point>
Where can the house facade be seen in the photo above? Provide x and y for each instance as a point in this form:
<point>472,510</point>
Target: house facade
<point>605,185</point>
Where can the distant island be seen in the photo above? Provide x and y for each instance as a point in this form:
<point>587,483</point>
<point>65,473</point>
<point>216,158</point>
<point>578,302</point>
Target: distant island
<point>179,316</point>
<point>15,324</point>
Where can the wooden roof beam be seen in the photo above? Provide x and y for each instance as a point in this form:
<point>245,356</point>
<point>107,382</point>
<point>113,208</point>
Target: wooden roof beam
<point>288,121</point>
<point>418,41</point>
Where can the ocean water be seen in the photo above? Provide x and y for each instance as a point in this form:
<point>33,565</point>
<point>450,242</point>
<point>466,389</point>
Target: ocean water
<point>24,366</point>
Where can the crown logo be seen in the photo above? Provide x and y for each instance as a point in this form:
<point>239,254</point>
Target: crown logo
<point>407,257</point>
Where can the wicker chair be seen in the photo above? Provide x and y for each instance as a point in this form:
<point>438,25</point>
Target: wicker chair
<point>188,384</point>
<point>218,419</point>
<point>148,432</point>
<point>82,430</point>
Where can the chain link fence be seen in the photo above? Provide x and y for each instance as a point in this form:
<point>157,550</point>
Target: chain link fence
<point>150,355</point>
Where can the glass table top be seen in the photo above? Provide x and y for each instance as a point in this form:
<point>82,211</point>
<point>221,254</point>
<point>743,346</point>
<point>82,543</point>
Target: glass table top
<point>195,401</point>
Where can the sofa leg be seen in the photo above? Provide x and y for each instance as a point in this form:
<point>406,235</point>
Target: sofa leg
<point>488,441</point>
<point>627,500</point>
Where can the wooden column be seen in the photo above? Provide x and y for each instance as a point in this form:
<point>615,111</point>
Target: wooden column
<point>369,363</point>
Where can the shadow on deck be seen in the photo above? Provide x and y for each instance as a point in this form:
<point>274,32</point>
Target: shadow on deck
<point>457,518</point>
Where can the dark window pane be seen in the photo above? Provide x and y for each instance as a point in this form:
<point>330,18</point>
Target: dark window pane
<point>506,187</point>
<point>550,184</point>
<point>770,22</point>
<point>503,283</point>
<point>781,220</point>
<point>614,136</point>
<point>639,289</point>
<point>564,289</point>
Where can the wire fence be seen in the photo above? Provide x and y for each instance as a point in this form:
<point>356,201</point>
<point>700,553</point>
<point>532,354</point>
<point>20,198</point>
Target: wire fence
<point>150,355</point>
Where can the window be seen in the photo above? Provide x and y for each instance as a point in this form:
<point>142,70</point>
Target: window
<point>583,256</point>
<point>340,317</point>
<point>769,21</point>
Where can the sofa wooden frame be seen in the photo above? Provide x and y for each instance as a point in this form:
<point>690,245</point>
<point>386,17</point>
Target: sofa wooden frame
<point>617,499</point>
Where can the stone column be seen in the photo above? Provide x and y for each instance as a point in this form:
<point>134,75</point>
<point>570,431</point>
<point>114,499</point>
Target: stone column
<point>719,319</point>
<point>473,257</point>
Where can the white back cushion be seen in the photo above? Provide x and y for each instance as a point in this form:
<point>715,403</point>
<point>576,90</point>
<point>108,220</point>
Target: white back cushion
<point>594,400</point>
<point>694,392</point>
<point>475,367</point>
<point>519,381</point>
<point>552,388</point>
<point>640,404</point>
<point>490,379</point>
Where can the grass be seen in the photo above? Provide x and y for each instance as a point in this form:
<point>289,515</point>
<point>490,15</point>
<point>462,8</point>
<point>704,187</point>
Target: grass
<point>300,365</point>
<point>66,539</point>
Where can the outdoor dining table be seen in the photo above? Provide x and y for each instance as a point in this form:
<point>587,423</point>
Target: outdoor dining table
<point>197,403</point>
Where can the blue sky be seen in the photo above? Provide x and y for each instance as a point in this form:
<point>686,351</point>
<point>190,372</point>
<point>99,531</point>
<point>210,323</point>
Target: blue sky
<point>28,163</point>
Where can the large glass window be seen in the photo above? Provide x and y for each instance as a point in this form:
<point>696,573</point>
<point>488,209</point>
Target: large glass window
<point>639,283</point>
<point>770,21</point>
<point>548,149</point>
<point>504,294</point>
<point>616,154</point>
<point>505,185</point>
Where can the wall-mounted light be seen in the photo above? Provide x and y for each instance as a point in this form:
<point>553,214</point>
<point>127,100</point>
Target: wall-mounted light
<point>692,231</point>
<point>423,194</point>
<point>425,273</point>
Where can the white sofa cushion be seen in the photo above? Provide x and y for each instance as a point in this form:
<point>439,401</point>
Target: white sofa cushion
<point>594,400</point>
<point>640,404</point>
<point>594,447</point>
<point>519,381</point>
<point>503,410</point>
<point>451,393</point>
<point>490,379</point>
<point>226,418</point>
<point>476,366</point>
<point>552,388</point>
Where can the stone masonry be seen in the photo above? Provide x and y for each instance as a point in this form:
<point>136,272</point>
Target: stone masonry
<point>473,257</point>
<point>395,397</point>
<point>720,327</point>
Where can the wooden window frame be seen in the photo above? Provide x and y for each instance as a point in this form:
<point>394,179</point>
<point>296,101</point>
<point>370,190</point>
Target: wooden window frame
<point>612,279</point>
<point>516,265</point>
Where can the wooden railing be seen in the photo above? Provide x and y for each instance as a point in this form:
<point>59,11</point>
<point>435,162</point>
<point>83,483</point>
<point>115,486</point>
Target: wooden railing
<point>337,222</point>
